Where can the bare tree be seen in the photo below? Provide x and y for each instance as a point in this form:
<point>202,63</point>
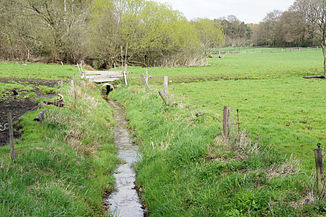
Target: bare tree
<point>314,12</point>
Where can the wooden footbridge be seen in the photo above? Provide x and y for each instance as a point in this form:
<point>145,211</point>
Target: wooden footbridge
<point>100,76</point>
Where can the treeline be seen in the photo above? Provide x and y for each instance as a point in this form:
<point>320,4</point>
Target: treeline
<point>285,29</point>
<point>104,32</point>
<point>291,28</point>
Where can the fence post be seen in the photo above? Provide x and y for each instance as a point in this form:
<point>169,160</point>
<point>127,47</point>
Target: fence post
<point>11,137</point>
<point>319,169</point>
<point>226,123</point>
<point>164,97</point>
<point>145,81</point>
<point>121,59</point>
<point>166,84</point>
<point>146,76</point>
<point>125,78</point>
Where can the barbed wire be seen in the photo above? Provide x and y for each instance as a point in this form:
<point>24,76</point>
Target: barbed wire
<point>3,127</point>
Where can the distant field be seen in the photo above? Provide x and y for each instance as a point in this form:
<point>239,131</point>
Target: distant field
<point>243,66</point>
<point>36,71</point>
<point>278,95</point>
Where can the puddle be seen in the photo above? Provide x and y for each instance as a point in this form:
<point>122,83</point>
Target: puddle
<point>124,202</point>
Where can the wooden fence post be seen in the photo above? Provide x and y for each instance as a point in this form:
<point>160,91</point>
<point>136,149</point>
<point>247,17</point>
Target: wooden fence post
<point>11,137</point>
<point>121,59</point>
<point>166,85</point>
<point>226,123</point>
<point>145,81</point>
<point>164,97</point>
<point>125,78</point>
<point>319,170</point>
<point>146,73</point>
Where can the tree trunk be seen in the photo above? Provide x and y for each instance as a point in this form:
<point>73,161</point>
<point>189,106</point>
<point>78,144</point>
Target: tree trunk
<point>324,52</point>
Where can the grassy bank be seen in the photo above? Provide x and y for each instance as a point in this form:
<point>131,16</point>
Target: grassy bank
<point>64,164</point>
<point>188,171</point>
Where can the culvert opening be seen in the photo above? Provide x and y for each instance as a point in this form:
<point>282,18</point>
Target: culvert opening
<point>106,89</point>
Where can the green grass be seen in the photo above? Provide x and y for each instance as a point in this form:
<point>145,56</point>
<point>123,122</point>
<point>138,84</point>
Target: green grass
<point>241,66</point>
<point>185,171</point>
<point>21,88</point>
<point>36,71</point>
<point>64,164</point>
<point>267,85</point>
<point>294,104</point>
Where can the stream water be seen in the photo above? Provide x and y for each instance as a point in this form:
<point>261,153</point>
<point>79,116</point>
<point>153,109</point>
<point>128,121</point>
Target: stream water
<point>124,202</point>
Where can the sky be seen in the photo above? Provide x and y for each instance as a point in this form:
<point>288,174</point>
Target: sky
<point>249,11</point>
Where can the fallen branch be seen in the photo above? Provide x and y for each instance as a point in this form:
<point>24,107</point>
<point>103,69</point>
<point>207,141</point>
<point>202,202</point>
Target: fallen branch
<point>40,116</point>
<point>314,76</point>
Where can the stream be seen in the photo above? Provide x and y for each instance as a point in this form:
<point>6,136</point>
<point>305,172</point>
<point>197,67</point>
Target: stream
<point>124,202</point>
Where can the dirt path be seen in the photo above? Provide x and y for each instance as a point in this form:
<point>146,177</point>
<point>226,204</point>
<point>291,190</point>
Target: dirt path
<point>125,201</point>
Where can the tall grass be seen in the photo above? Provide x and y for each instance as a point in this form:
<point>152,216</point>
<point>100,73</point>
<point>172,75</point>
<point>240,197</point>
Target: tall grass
<point>187,171</point>
<point>64,164</point>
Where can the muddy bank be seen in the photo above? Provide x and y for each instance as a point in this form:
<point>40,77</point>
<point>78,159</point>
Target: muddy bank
<point>124,202</point>
<point>19,105</point>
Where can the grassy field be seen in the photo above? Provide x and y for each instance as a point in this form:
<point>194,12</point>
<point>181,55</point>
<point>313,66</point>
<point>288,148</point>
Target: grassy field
<point>241,66</point>
<point>187,171</point>
<point>64,164</point>
<point>267,86</point>
<point>36,71</point>
<point>295,105</point>
<point>195,174</point>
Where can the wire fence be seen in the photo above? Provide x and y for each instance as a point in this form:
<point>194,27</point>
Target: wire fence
<point>255,50</point>
<point>3,127</point>
<point>305,138</point>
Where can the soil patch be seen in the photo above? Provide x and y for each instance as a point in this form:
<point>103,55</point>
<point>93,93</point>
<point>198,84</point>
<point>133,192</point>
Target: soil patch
<point>19,105</point>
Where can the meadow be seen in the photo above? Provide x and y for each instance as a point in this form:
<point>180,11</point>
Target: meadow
<point>268,89</point>
<point>253,65</point>
<point>196,174</point>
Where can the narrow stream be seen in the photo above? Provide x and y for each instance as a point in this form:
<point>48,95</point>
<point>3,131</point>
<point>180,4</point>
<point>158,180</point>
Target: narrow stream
<point>124,202</point>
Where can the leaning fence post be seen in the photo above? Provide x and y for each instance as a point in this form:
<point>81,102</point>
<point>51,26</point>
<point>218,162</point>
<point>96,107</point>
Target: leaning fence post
<point>164,96</point>
<point>226,123</point>
<point>11,137</point>
<point>145,81</point>
<point>319,169</point>
<point>165,84</point>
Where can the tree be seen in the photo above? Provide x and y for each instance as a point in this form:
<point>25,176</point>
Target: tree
<point>210,33</point>
<point>314,12</point>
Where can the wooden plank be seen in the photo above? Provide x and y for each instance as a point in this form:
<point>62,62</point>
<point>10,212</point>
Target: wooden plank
<point>103,76</point>
<point>103,73</point>
<point>104,80</point>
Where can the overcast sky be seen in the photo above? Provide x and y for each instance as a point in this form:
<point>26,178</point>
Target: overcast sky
<point>249,11</point>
